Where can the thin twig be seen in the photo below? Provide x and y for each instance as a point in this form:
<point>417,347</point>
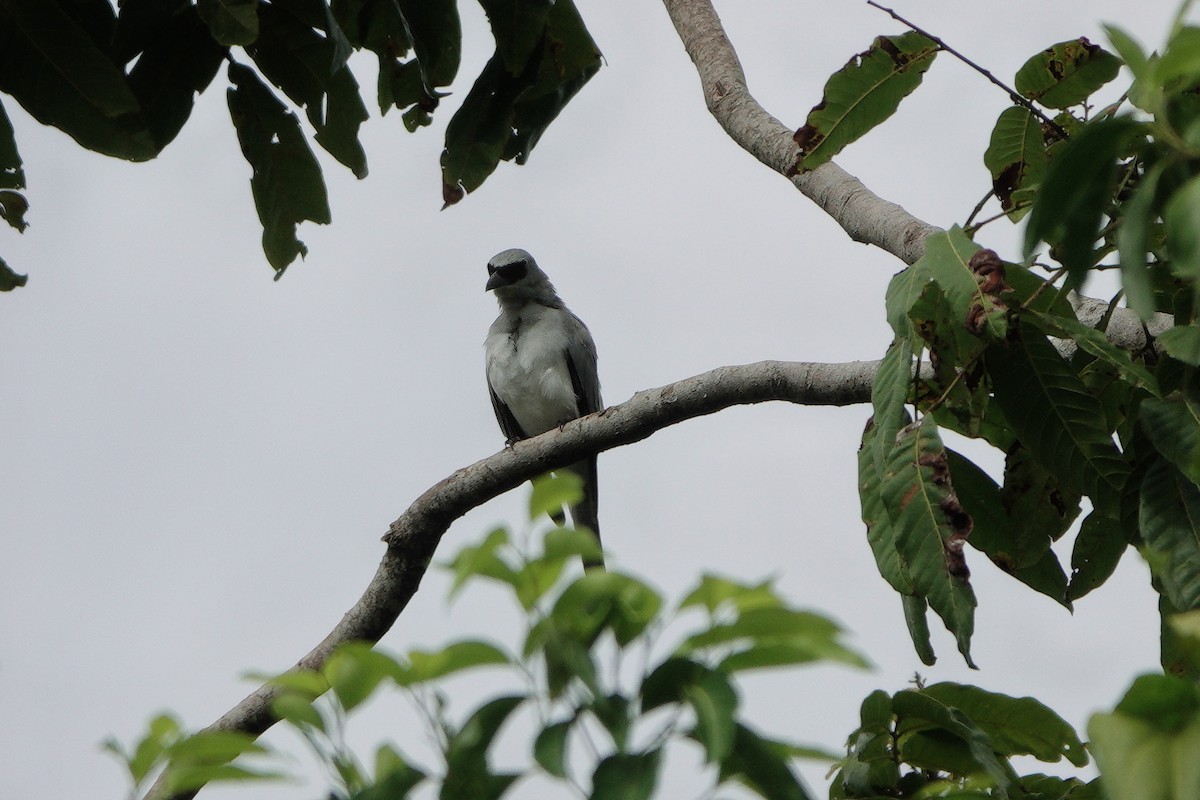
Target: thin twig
<point>1012,94</point>
<point>978,207</point>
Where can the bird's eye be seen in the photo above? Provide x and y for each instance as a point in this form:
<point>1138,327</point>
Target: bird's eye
<point>515,271</point>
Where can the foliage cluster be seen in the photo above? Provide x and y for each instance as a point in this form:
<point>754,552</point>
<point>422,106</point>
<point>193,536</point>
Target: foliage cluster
<point>123,82</point>
<point>999,354</point>
<point>604,700</point>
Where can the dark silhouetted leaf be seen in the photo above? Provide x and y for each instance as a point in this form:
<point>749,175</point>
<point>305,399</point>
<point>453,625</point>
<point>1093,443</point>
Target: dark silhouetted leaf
<point>55,69</point>
<point>863,94</point>
<point>436,36</point>
<point>626,776</point>
<point>762,767</point>
<point>12,175</point>
<point>10,280</point>
<point>286,182</point>
<point>232,22</point>
<point>1138,213</point>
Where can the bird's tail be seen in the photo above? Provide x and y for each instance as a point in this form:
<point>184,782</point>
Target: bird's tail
<point>587,513</point>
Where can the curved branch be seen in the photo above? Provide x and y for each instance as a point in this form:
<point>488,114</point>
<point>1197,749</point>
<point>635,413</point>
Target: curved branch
<point>864,216</point>
<point>413,537</point>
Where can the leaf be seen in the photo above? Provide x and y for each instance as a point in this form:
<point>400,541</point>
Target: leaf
<point>1055,416</point>
<point>354,670</point>
<point>1145,93</point>
<point>232,22</point>
<point>55,69</point>
<point>482,561</point>
<point>550,748</point>
<point>1015,725</point>
<point>1094,342</point>
<point>1098,548</point>
<point>188,778</point>
<point>714,592</point>
<point>1182,342</point>
<point>614,712</point>
<point>1181,59</point>
<point>930,527</point>
<point>1169,520</point>
<point>1015,158</point>
<point>179,61</point>
<point>916,618</point>
<point>1076,193</point>
<point>1138,757</point>
<point>434,29</point>
<point>297,711</point>
<point>762,767</point>
<point>304,62</point>
<point>455,657</point>
<point>394,776</point>
<point>1067,73</point>
<point>467,772</point>
<point>553,491</point>
<point>626,776</point>
<point>13,206</point>
<point>211,746</point>
<point>766,624</point>
<point>605,600</point>
<point>517,28</point>
<point>1173,425</point>
<point>1138,213</point>
<point>1183,240</point>
<point>948,261</point>
<point>715,703</point>
<point>12,174</point>
<point>918,712</point>
<point>863,94</point>
<point>509,108</point>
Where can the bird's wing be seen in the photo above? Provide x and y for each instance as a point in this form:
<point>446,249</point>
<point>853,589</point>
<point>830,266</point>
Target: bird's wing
<point>580,353</point>
<point>508,423</point>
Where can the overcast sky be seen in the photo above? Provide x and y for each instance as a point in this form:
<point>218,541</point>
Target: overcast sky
<point>198,462</point>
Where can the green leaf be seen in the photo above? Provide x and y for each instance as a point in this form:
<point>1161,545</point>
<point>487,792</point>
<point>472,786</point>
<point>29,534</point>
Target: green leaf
<point>1055,416</point>
<point>456,657</point>
<point>1181,59</point>
<point>790,653</point>
<point>919,713</point>
<point>552,492</point>
<point>1015,158</point>
<point>1076,193</point>
<point>1147,750</point>
<point>715,702</point>
<point>930,527</point>
<point>881,533</point>
<point>916,618</point>
<point>1180,213</point>
<point>1169,520</point>
<point>550,748</point>
<point>1067,73</point>
<point>517,28</point>
<point>297,711</point>
<point>1173,425</point>
<point>762,767</point>
<point>1098,548</point>
<point>605,600</point>
<point>715,591</point>
<point>214,747</point>
<point>863,94</point>
<point>1145,93</point>
<point>1182,342</point>
<point>948,262</point>
<point>59,73</point>
<point>12,174</point>
<point>467,772</point>
<point>482,561</point>
<point>286,182</point>
<point>1133,241</point>
<point>626,776</point>
<point>1015,725</point>
<point>767,624</point>
<point>394,777</point>
<point>1094,342</point>
<point>541,575</point>
<point>613,711</point>
<point>232,22</point>
<point>354,670</point>
<point>190,777</point>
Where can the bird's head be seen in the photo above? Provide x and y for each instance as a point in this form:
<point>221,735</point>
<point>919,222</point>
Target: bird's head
<point>514,275</point>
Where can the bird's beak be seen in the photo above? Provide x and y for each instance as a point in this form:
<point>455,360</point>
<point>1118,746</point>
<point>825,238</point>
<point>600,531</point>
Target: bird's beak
<point>495,280</point>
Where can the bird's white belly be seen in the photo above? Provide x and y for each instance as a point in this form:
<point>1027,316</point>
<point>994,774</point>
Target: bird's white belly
<point>532,381</point>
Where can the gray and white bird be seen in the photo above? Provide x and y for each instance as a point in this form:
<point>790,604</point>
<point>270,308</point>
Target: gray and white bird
<point>541,366</point>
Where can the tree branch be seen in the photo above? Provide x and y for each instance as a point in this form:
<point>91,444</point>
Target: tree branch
<point>413,537</point>
<point>864,216</point>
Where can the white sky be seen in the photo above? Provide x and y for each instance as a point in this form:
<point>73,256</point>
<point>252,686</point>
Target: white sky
<point>198,462</point>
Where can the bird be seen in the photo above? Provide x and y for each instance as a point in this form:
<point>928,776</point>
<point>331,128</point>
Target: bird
<point>541,368</point>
